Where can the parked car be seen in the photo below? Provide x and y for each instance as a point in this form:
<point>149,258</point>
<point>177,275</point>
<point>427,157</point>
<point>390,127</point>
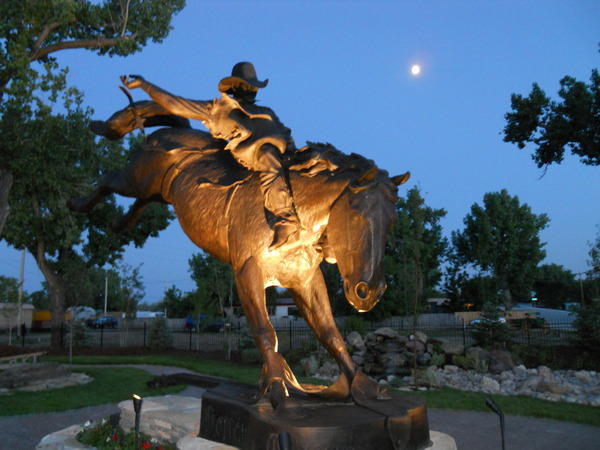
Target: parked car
<point>478,321</point>
<point>104,322</point>
<point>206,323</point>
<point>189,322</point>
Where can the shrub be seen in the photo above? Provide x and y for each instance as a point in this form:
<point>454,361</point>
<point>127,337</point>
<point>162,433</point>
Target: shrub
<point>106,436</point>
<point>81,337</point>
<point>471,361</point>
<point>490,331</point>
<point>356,323</point>
<point>588,326</point>
<point>160,336</point>
<point>251,356</point>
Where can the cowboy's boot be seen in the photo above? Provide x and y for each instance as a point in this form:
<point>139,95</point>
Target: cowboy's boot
<point>284,230</point>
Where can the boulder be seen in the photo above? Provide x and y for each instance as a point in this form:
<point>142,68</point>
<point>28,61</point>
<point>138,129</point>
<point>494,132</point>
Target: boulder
<point>429,377</point>
<point>500,361</point>
<point>329,370</point>
<point>394,360</point>
<point>310,365</point>
<point>387,346</point>
<point>386,332</point>
<point>452,348</point>
<point>584,376</point>
<point>545,373</point>
<point>415,346</point>
<point>420,336</point>
<point>449,368</point>
<point>520,371</point>
<point>477,353</point>
<point>489,385</point>
<point>552,387</point>
<point>355,340</point>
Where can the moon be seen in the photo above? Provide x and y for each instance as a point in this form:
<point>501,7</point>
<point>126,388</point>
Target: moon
<point>415,69</point>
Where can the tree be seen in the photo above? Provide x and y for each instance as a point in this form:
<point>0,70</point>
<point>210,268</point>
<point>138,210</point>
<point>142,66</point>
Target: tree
<point>9,289</point>
<point>413,256</point>
<point>572,123</point>
<point>32,31</point>
<point>214,279</point>
<point>176,303</point>
<point>502,238</point>
<point>490,331</point>
<point>593,275</point>
<point>58,159</point>
<point>554,285</point>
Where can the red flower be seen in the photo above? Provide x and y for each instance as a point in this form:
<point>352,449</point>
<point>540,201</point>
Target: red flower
<point>146,445</point>
<point>115,437</point>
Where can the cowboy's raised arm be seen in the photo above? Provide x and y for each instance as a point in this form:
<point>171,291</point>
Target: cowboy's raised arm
<point>191,109</point>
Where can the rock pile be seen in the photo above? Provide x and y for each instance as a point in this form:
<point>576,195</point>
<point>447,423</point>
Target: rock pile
<point>39,377</point>
<point>389,357</point>
<point>384,352</point>
<point>582,387</point>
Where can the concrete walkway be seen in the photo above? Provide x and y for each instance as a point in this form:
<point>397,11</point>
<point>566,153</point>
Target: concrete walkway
<point>471,430</point>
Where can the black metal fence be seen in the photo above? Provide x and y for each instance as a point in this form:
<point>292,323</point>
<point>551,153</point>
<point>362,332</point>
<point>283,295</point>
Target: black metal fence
<point>295,334</point>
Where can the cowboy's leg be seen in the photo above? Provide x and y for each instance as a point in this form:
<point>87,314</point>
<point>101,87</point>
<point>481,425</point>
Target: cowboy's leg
<point>276,194</point>
<point>273,184</point>
<point>146,113</point>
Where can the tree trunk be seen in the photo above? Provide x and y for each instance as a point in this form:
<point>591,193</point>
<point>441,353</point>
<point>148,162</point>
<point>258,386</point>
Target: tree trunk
<point>56,287</point>
<point>57,300</point>
<point>508,302</point>
<point>6,181</point>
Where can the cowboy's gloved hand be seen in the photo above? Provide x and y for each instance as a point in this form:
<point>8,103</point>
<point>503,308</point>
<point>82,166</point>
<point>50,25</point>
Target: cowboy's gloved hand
<point>135,81</point>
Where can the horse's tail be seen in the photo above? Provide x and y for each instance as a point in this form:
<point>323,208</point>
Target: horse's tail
<point>137,115</point>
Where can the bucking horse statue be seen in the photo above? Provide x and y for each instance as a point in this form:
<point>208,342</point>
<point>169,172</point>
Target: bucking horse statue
<point>345,205</point>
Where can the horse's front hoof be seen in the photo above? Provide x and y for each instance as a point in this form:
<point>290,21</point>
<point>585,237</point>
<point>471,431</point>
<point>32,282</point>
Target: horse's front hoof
<point>364,389</point>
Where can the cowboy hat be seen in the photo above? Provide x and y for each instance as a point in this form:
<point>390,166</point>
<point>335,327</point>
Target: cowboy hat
<point>243,75</point>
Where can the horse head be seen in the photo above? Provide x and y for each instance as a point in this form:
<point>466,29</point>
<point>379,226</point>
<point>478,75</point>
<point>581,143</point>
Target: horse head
<point>357,231</point>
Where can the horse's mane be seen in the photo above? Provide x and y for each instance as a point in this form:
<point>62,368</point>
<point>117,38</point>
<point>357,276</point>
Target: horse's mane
<point>318,158</point>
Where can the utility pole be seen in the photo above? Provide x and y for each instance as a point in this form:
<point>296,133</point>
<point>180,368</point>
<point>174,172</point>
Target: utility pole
<point>20,297</point>
<point>105,291</point>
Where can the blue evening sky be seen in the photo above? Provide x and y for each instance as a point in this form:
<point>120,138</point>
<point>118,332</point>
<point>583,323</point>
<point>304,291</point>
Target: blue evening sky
<point>339,72</point>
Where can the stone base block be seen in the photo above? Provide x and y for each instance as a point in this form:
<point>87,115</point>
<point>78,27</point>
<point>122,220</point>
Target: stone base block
<point>197,443</point>
<point>167,418</point>
<point>62,440</point>
<point>441,441</point>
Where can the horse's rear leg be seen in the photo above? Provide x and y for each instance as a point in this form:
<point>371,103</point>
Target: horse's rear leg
<point>129,220</point>
<point>113,181</point>
<point>276,374</point>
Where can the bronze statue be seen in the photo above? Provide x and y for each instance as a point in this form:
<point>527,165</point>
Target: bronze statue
<point>254,135</point>
<point>344,203</point>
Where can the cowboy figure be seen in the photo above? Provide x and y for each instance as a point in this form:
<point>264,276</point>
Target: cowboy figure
<point>256,137</point>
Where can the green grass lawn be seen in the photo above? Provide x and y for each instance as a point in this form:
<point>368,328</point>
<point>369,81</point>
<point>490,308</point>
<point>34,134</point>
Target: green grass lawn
<point>445,398</point>
<point>110,385</point>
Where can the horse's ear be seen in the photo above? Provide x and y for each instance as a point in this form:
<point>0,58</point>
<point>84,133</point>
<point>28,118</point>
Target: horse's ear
<point>368,176</point>
<point>401,179</point>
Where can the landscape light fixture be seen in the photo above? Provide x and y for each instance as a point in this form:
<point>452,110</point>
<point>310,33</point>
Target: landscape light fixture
<point>489,401</point>
<point>137,408</point>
